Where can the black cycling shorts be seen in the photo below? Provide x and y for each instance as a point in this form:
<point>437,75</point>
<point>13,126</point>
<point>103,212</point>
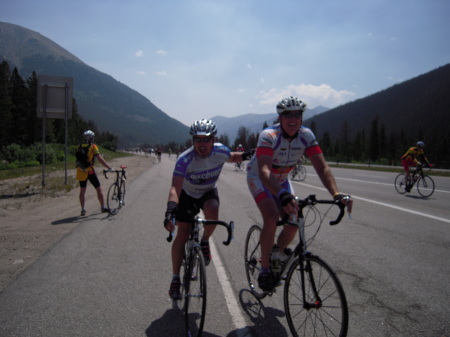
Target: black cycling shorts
<point>93,179</point>
<point>189,207</point>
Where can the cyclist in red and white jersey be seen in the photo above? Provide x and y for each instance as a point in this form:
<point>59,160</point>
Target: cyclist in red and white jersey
<point>279,148</point>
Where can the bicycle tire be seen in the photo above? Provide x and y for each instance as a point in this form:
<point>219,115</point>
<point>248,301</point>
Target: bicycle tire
<point>399,183</point>
<point>322,315</point>
<point>294,173</point>
<point>195,298</point>
<point>112,199</point>
<point>302,173</point>
<point>252,258</point>
<point>425,186</point>
<point>122,193</point>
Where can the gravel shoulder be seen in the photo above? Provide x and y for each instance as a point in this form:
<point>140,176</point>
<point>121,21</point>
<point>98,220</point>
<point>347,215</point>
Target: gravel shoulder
<point>32,222</point>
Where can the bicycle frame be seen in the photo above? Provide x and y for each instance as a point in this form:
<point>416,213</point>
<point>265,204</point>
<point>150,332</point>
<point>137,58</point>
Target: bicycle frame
<point>194,290</point>
<point>300,251</point>
<point>118,186</point>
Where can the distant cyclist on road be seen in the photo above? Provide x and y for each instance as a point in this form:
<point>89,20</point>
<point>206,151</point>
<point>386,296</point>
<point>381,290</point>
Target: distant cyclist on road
<point>411,158</point>
<point>279,149</point>
<point>239,148</point>
<point>194,188</point>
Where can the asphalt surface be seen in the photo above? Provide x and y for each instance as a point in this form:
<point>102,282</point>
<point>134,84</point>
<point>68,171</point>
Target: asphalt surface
<point>110,276</point>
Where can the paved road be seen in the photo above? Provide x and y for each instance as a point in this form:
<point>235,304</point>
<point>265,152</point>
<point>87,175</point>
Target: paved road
<point>110,276</point>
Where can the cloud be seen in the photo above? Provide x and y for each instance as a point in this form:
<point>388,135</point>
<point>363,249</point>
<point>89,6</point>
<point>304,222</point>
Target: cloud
<point>312,95</point>
<point>141,72</point>
<point>161,52</point>
<point>139,53</point>
<point>161,73</point>
<point>249,66</point>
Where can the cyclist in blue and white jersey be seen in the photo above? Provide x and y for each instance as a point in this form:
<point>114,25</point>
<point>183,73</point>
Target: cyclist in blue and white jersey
<point>194,187</point>
<point>279,149</point>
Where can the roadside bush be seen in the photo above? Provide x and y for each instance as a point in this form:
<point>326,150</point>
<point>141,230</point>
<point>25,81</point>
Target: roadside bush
<point>15,152</point>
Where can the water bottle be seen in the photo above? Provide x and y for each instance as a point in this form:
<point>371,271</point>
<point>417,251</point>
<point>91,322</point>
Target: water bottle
<point>275,260</point>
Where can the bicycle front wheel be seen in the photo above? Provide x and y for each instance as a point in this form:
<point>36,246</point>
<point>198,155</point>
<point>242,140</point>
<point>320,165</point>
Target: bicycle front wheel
<point>400,183</point>
<point>323,310</point>
<point>252,258</point>
<point>122,194</point>
<point>195,299</point>
<point>425,186</point>
<point>302,173</point>
<point>112,199</point>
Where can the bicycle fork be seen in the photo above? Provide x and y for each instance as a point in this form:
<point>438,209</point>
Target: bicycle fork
<point>305,267</point>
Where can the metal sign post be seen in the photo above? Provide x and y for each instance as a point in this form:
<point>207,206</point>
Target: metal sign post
<point>54,100</point>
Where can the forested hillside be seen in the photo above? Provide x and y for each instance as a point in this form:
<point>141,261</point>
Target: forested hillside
<point>21,135</point>
<point>380,127</point>
<point>113,106</point>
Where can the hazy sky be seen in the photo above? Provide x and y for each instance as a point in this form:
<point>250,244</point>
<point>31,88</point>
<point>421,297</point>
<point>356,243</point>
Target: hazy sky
<point>201,58</point>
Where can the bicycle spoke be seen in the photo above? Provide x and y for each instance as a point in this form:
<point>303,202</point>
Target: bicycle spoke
<point>324,310</point>
<point>253,260</point>
<point>195,305</point>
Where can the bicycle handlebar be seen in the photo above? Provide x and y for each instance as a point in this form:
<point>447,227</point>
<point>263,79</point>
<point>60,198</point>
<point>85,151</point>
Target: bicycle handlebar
<point>311,201</point>
<point>228,226</point>
<point>122,170</point>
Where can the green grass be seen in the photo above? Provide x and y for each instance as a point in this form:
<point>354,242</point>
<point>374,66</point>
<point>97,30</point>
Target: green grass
<point>54,179</point>
<point>60,166</point>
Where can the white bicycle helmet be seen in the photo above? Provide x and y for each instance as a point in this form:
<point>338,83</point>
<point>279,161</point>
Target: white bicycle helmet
<point>420,144</point>
<point>203,127</point>
<point>290,104</point>
<point>88,136</point>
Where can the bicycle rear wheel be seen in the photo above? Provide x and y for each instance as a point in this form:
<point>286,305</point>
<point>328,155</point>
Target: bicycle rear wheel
<point>425,186</point>
<point>112,199</point>
<point>400,183</point>
<point>195,299</point>
<point>302,173</point>
<point>252,260</point>
<point>324,310</point>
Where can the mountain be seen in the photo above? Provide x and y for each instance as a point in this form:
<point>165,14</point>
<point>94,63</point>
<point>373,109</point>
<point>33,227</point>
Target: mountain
<point>254,122</point>
<point>416,109</point>
<point>111,105</point>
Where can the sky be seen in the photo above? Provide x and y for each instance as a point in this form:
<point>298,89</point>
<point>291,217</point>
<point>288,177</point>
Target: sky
<point>198,59</point>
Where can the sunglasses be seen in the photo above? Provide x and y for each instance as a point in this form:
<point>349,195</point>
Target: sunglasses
<point>202,140</point>
<point>296,115</point>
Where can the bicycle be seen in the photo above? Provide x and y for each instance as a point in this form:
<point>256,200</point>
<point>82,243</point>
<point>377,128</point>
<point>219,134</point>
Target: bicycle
<point>425,184</point>
<point>298,173</point>
<point>116,192</point>
<point>314,299</point>
<point>239,166</point>
<point>193,292</point>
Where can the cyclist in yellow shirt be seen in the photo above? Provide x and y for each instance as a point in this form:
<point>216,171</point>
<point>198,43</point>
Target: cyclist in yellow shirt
<point>410,158</point>
<point>85,170</point>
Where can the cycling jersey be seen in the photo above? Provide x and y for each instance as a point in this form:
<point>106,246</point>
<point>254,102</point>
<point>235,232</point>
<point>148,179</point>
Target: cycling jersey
<point>410,157</point>
<point>201,174</point>
<point>285,156</point>
<point>413,153</point>
<point>82,174</point>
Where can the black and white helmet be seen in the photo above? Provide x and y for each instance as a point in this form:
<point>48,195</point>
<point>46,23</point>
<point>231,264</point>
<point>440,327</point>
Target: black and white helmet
<point>88,136</point>
<point>203,127</point>
<point>290,104</point>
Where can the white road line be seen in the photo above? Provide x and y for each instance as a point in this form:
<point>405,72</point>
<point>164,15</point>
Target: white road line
<point>390,206</point>
<point>231,300</point>
<point>372,182</point>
